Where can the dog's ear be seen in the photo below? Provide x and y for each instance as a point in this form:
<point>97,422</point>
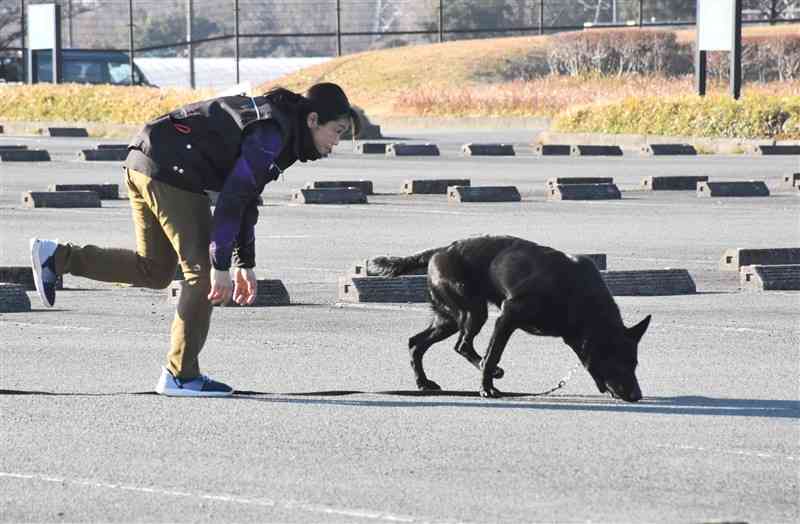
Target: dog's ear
<point>636,332</point>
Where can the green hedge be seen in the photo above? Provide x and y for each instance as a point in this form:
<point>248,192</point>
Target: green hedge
<point>753,116</point>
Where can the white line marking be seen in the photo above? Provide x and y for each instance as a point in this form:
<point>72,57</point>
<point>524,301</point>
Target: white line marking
<point>732,452</point>
<point>263,502</point>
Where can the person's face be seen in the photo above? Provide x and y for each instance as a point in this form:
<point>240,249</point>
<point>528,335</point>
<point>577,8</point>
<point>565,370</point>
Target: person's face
<point>326,135</point>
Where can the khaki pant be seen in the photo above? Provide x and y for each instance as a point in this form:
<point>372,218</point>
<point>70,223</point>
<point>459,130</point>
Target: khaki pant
<point>172,225</point>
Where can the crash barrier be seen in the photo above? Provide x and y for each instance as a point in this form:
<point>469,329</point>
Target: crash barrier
<point>342,195</point>
<point>407,288</point>
<point>791,180</point>
<point>61,199</point>
<point>214,195</point>
<point>13,298</point>
<point>551,183</point>
<point>104,154</point>
<point>471,149</point>
<point>776,150</point>
<point>23,275</point>
<point>367,268</point>
<point>364,185</point>
<point>432,186</point>
<point>595,150</point>
<point>733,259</point>
<point>770,278</point>
<point>67,131</point>
<point>668,149</point>
<point>584,192</point>
<point>105,191</point>
<point>672,183</point>
<point>552,150</point>
<point>751,188</point>
<point>649,282</point>
<point>268,293</point>
<point>400,149</point>
<point>371,148</point>
<point>483,194</point>
<point>24,155</point>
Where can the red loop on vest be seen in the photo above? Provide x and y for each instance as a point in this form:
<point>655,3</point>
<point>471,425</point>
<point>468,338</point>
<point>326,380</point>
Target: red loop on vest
<point>181,128</point>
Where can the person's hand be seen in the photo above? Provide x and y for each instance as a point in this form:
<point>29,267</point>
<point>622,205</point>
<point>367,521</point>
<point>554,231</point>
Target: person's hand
<point>245,286</point>
<point>221,286</point>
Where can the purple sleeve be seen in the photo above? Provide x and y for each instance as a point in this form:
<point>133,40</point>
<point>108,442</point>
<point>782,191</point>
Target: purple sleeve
<point>236,214</point>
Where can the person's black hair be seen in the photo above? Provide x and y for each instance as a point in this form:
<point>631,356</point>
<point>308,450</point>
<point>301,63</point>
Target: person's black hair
<point>326,99</point>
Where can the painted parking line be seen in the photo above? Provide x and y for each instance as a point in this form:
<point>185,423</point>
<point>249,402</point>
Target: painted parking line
<point>227,498</point>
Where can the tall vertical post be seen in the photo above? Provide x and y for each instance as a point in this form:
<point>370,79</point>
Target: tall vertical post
<point>641,14</point>
<point>736,51</point>
<point>22,28</point>
<point>190,45</point>
<point>700,71</point>
<point>441,21</point>
<point>541,17</point>
<point>130,40</point>
<point>236,37</point>
<point>338,27</point>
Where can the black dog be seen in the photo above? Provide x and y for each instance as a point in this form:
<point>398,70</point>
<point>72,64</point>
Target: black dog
<point>539,290</point>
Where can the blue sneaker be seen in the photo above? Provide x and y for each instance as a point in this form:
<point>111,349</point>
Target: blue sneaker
<point>201,386</point>
<point>43,264</point>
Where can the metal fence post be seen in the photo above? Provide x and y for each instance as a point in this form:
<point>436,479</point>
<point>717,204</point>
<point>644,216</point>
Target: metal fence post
<point>23,33</point>
<point>441,21</point>
<point>189,19</point>
<point>338,28</point>
<point>130,39</point>
<point>640,13</point>
<point>236,37</point>
<point>541,17</point>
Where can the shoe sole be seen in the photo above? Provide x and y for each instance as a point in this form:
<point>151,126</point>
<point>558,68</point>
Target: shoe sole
<point>36,266</point>
<point>190,393</point>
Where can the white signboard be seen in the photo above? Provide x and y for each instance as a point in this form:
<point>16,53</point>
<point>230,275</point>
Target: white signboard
<point>714,25</point>
<point>42,26</point>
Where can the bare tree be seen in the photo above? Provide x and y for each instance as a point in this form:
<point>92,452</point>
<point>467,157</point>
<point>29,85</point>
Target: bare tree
<point>772,10</point>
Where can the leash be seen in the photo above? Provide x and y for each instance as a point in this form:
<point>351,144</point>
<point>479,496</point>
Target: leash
<point>561,383</point>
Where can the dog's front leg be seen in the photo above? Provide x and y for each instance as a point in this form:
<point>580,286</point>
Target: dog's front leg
<point>503,329</point>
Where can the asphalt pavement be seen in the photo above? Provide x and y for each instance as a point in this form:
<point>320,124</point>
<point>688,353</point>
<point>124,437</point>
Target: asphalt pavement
<point>328,427</point>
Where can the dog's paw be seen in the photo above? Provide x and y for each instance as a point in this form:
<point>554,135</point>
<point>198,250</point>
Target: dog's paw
<point>428,385</point>
<point>491,392</point>
<point>498,372</point>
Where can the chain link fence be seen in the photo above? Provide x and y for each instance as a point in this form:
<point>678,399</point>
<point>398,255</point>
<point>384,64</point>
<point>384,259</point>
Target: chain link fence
<point>213,42</point>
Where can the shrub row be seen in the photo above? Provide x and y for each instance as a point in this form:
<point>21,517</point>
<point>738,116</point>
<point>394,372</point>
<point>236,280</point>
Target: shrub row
<point>620,51</point>
<point>755,115</point>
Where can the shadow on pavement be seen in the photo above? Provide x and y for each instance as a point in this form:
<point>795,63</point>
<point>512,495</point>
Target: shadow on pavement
<point>684,405</point>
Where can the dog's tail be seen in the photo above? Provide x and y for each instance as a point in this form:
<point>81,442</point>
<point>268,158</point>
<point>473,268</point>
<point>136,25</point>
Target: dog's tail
<point>396,266</point>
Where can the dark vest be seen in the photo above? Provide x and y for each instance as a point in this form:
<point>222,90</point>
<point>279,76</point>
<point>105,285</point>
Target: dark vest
<point>196,146</point>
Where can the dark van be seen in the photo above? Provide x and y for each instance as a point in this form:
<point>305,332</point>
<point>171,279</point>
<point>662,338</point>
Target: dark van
<point>88,67</point>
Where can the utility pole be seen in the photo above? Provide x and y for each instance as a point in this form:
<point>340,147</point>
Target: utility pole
<point>541,17</point>
<point>24,32</point>
<point>189,18</point>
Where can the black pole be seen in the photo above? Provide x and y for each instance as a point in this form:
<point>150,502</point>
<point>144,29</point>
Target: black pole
<point>541,17</point>
<point>641,16</point>
<point>736,51</point>
<point>189,18</point>
<point>130,40</point>
<point>236,37</point>
<point>441,21</point>
<point>338,28</point>
<point>25,57</point>
<point>700,71</point>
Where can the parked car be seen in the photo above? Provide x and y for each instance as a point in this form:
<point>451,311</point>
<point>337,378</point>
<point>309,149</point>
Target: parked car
<point>88,67</point>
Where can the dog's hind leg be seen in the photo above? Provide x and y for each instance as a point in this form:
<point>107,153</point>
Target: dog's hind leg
<point>473,319</point>
<point>440,328</point>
